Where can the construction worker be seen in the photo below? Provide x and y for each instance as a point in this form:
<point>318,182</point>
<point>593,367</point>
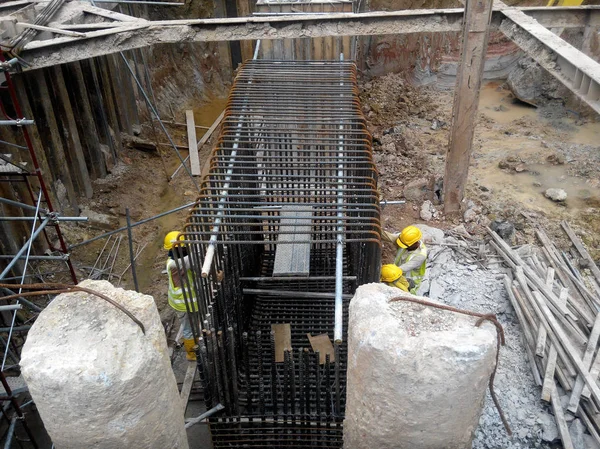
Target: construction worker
<point>392,276</point>
<point>176,294</point>
<point>411,256</point>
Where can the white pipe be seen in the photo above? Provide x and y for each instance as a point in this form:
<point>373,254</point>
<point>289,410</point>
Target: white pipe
<point>210,251</point>
<point>339,253</point>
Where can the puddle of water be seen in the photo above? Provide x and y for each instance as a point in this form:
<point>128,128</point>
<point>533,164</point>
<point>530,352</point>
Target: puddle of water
<point>587,134</point>
<point>498,104</point>
<point>206,114</point>
<point>528,187</point>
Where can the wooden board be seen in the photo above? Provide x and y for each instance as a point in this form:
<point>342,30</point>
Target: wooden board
<point>186,388</point>
<point>322,345</point>
<point>192,145</point>
<point>283,340</point>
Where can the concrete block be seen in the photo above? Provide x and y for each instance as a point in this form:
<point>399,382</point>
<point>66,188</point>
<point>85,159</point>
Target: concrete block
<point>417,375</point>
<point>97,380</point>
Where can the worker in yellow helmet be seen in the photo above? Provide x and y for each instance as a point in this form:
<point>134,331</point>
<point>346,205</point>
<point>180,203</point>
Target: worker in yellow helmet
<point>411,256</point>
<point>176,297</point>
<point>392,276</point>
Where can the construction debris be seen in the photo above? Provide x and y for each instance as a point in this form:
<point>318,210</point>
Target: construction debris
<point>561,327</point>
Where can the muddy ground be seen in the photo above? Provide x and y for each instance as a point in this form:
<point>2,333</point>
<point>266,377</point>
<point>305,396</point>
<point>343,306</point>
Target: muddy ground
<point>519,152</point>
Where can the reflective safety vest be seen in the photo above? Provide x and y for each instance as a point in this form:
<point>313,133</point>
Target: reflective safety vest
<point>175,294</point>
<point>403,256</point>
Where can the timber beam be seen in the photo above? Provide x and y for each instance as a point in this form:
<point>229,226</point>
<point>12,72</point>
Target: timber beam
<point>574,69</point>
<point>129,32</point>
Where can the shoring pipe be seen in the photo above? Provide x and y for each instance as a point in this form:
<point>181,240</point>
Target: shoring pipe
<point>54,217</point>
<point>11,432</point>
<point>21,205</point>
<point>11,307</point>
<point>25,247</point>
<point>61,257</point>
<point>210,251</point>
<point>339,250</point>
<point>133,225</point>
<point>18,122</point>
<point>203,416</point>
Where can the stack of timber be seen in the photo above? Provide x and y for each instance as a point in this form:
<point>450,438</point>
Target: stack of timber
<point>558,308</point>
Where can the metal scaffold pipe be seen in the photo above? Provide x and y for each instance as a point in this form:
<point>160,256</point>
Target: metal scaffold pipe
<point>25,247</point>
<point>19,122</point>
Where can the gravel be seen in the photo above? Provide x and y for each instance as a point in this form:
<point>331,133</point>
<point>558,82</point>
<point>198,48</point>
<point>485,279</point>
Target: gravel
<point>469,286</point>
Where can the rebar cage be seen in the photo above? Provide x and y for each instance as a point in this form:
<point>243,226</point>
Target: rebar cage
<point>286,226</point>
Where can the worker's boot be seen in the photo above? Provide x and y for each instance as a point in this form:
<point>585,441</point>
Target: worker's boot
<point>189,344</point>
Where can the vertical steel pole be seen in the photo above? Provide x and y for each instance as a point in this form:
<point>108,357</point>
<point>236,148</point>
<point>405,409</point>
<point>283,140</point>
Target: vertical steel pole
<point>131,255</point>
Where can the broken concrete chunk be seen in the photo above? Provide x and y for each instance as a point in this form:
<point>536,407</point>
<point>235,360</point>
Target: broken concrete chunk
<point>97,380</point>
<point>417,375</point>
<point>557,195</point>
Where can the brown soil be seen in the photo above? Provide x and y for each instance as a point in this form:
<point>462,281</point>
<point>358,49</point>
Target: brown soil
<point>139,182</point>
<point>544,148</point>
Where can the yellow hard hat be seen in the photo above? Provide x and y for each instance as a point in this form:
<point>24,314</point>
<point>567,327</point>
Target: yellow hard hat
<point>171,238</point>
<point>390,272</point>
<point>409,236</point>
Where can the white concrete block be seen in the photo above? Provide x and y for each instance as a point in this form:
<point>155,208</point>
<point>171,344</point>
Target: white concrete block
<point>417,375</point>
<point>97,380</point>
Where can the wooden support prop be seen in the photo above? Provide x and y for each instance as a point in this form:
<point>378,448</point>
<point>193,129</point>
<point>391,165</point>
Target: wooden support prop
<point>537,307</point>
<point>548,383</point>
<point>73,151</point>
<point>540,348</point>
<point>581,249</point>
<point>587,362</point>
<point>561,422</point>
<point>85,120</point>
<point>526,332</point>
<point>50,29</point>
<point>564,340</point>
<point>476,29</point>
<point>283,340</point>
<point>188,381</point>
<point>191,135</point>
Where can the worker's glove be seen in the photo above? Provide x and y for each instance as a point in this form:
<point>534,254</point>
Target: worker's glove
<point>411,284</point>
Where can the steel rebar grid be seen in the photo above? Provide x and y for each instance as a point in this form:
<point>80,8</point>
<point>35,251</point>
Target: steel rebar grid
<point>293,147</point>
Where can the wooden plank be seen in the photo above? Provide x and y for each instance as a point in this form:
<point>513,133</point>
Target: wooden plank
<point>581,249</point>
<point>88,133</point>
<point>564,340</point>
<point>322,345</point>
<point>561,422</point>
<point>293,259</point>
<point>108,13</point>
<point>72,144</point>
<point>283,340</point>
<point>529,342</point>
<point>476,30</point>
<point>587,362</point>
<point>540,348</point>
<point>532,297</point>
<point>47,125</point>
<point>191,135</point>
<point>551,361</point>
<point>188,381</point>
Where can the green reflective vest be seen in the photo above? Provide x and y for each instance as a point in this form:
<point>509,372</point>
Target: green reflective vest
<point>403,256</point>
<point>175,294</point>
